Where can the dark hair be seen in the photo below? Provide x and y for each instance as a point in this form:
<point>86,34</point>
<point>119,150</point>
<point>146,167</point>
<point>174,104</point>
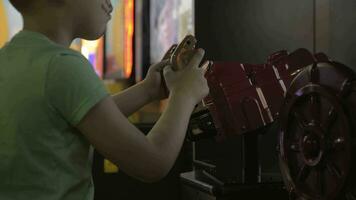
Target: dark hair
<point>21,5</point>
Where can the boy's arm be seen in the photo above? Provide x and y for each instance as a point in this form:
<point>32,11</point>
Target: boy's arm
<point>148,158</point>
<point>132,99</point>
<point>144,92</point>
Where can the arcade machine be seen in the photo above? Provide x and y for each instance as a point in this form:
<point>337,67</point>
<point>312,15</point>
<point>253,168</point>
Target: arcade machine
<point>282,129</point>
<point>309,98</point>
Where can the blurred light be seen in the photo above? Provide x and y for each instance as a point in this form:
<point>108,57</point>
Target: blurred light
<point>128,37</point>
<point>92,51</point>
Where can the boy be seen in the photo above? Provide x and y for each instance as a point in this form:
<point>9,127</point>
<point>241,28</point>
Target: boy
<point>53,107</point>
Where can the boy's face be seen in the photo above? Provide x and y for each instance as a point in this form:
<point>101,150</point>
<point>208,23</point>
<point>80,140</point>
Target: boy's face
<point>89,17</point>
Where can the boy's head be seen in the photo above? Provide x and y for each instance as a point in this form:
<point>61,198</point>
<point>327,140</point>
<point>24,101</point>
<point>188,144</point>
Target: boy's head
<point>82,18</point>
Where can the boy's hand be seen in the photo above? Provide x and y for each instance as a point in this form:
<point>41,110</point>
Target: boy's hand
<point>154,83</point>
<point>189,81</point>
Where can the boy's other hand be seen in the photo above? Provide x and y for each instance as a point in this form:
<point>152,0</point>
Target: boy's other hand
<point>153,82</point>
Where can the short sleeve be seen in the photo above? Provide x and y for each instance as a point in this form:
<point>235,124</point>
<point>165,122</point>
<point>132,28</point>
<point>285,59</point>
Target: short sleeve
<point>72,87</point>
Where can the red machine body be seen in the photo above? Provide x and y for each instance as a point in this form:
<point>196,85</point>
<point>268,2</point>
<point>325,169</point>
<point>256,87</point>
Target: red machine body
<point>246,97</point>
<point>314,100</point>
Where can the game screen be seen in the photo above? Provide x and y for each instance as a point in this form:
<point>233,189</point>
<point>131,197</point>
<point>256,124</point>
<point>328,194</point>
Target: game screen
<point>119,40</point>
<point>170,21</point>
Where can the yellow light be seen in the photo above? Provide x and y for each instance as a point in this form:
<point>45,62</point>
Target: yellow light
<point>110,167</point>
<point>128,37</point>
<point>4,26</point>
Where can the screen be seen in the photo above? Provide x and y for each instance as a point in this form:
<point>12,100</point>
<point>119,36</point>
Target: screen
<point>119,40</point>
<point>170,21</point>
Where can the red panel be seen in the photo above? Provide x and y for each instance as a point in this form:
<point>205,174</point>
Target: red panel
<point>245,97</point>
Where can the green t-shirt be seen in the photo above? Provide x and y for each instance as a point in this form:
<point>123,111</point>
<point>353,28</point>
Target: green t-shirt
<point>46,90</point>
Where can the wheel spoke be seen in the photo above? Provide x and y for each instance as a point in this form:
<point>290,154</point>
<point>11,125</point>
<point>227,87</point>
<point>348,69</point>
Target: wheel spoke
<point>299,118</point>
<point>292,194</point>
<point>333,169</point>
<point>303,173</point>
<point>314,73</point>
<point>330,120</point>
<point>346,88</point>
<point>321,182</point>
<point>337,144</point>
<point>315,107</point>
<point>294,146</point>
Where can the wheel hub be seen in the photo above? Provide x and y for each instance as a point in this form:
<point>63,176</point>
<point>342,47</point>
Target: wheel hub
<point>312,150</point>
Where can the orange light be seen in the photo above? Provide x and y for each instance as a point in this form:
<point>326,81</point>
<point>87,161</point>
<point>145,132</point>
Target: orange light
<point>4,33</point>
<point>128,37</point>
